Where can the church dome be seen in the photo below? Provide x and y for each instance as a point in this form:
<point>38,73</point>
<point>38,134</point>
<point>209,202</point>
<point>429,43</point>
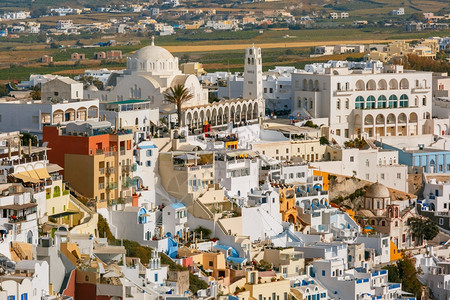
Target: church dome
<point>92,88</point>
<point>377,190</point>
<point>152,53</point>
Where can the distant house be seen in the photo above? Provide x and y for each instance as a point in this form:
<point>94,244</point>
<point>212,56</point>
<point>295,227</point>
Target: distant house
<point>100,55</point>
<point>398,12</point>
<point>78,56</point>
<point>114,54</point>
<point>46,59</point>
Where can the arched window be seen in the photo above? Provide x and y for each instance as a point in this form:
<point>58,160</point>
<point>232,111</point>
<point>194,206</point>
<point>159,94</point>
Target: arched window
<point>359,102</point>
<point>404,100</point>
<point>370,103</point>
<point>393,101</point>
<point>381,102</point>
<point>338,104</point>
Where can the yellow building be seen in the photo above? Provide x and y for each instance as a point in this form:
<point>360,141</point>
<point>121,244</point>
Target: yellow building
<point>287,204</point>
<point>106,157</point>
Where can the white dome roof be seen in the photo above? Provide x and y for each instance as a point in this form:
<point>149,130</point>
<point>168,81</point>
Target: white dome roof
<point>92,88</point>
<point>152,53</point>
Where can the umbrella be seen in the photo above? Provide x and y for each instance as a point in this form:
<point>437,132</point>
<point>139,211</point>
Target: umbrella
<point>368,228</point>
<point>186,156</point>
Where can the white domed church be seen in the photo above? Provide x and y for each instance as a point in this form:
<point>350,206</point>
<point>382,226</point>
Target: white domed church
<point>150,71</point>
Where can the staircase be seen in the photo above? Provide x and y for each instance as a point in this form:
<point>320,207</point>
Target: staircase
<point>159,221</point>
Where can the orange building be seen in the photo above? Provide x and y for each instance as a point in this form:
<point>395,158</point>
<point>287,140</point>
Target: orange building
<point>287,204</point>
<point>97,162</point>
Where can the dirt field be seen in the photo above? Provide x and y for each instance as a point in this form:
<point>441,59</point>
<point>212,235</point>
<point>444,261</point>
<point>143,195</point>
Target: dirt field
<point>221,47</point>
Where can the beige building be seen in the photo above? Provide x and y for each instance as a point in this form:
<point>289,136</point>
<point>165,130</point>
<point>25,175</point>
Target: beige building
<point>194,68</point>
<point>186,175</point>
<point>288,262</point>
<point>62,88</point>
<point>106,157</point>
<point>398,49</point>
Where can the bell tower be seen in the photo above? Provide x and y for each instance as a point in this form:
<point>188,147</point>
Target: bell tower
<point>253,73</point>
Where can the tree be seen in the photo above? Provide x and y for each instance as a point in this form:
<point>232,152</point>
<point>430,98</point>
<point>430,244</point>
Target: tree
<point>404,272</point>
<point>90,80</point>
<point>3,90</point>
<point>324,141</point>
<point>423,229</point>
<point>26,138</point>
<point>36,93</point>
<point>310,123</point>
<point>178,95</point>
<point>205,232</point>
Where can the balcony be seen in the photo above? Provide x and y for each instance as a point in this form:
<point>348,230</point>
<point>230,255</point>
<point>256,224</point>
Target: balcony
<point>343,92</point>
<point>420,90</point>
<point>101,186</point>
<point>110,170</point>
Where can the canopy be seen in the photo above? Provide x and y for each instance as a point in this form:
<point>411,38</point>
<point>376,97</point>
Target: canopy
<point>187,156</point>
<point>368,228</point>
<point>42,173</point>
<point>25,177</point>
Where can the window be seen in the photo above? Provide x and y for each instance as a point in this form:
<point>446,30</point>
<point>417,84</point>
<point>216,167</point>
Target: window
<point>399,175</point>
<point>338,104</point>
<point>347,104</point>
<point>56,93</point>
<point>148,163</point>
<point>370,102</point>
<point>441,221</point>
<point>277,152</point>
<point>156,277</point>
<point>403,100</point>
<point>393,101</point>
<point>323,272</point>
<point>0,118</point>
<point>149,153</point>
<point>381,102</point>
<point>352,159</point>
<point>359,102</point>
<point>211,263</point>
<point>367,162</point>
<point>382,175</point>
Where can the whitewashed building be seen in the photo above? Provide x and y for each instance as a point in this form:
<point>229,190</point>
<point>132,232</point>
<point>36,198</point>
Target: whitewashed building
<point>387,101</point>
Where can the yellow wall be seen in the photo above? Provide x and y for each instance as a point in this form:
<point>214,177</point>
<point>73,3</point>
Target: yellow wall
<point>287,205</point>
<point>395,253</point>
<point>325,179</point>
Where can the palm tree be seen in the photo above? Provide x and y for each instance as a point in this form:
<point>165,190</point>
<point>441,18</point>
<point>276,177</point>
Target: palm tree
<point>178,95</point>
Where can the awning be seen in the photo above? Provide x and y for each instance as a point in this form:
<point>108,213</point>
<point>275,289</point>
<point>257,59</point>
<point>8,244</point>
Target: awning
<point>33,174</point>
<point>51,168</point>
<point>18,206</point>
<point>42,173</point>
<point>64,214</point>
<point>186,156</point>
<point>25,177</point>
